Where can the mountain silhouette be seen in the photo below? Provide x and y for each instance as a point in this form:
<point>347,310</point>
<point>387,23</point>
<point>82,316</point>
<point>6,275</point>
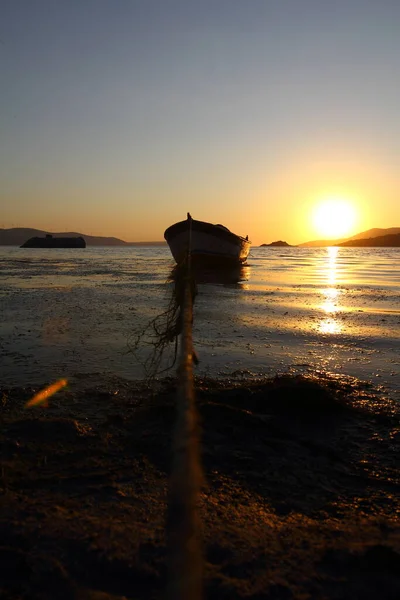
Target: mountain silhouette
<point>370,233</point>
<point>388,241</point>
<point>17,236</point>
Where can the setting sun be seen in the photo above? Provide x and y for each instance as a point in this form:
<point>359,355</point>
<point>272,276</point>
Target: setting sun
<point>334,217</point>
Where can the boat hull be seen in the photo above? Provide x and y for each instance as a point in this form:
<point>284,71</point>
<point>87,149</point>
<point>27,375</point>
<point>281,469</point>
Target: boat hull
<point>209,244</point>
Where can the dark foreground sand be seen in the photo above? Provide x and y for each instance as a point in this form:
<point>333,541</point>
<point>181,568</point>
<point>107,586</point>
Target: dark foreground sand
<point>301,493</point>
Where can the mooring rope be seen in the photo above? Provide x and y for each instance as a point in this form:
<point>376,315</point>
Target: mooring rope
<point>183,522</point>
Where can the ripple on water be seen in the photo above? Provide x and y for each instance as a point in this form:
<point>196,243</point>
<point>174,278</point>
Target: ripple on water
<point>320,308</point>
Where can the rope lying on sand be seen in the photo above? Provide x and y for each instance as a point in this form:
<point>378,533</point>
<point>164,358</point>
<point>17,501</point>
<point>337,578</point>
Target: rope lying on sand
<point>183,522</point>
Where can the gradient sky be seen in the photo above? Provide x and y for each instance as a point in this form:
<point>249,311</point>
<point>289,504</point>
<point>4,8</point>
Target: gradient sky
<point>119,116</point>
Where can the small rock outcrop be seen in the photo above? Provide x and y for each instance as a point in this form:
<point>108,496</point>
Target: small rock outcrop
<point>278,243</point>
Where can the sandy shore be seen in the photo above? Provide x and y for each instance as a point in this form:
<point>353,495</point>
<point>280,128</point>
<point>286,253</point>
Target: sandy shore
<point>300,500</point>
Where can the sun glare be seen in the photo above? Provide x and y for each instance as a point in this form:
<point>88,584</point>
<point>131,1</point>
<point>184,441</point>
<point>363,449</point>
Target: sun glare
<point>334,217</point>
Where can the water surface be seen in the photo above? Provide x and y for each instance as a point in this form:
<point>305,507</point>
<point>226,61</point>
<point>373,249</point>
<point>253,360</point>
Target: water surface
<point>73,311</point>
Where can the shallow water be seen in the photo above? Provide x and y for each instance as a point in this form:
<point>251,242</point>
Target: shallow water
<point>72,311</point>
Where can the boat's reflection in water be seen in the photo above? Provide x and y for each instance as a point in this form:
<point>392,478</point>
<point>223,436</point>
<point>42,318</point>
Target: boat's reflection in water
<point>230,275</point>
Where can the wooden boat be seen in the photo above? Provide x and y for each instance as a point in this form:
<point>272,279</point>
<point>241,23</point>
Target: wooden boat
<point>209,244</point>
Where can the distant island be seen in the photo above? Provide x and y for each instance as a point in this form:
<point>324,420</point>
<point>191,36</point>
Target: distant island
<point>279,243</point>
<point>48,241</point>
<point>17,236</point>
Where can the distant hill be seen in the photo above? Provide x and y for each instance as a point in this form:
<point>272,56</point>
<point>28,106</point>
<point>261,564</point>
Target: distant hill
<point>370,233</point>
<point>373,233</point>
<point>388,241</point>
<point>321,243</point>
<point>17,236</point>
<point>279,244</point>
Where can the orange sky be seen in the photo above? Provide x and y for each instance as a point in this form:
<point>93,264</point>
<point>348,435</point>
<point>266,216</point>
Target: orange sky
<point>116,121</point>
<point>266,206</point>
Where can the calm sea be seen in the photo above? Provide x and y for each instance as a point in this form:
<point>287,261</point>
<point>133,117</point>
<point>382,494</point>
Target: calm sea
<point>73,312</point>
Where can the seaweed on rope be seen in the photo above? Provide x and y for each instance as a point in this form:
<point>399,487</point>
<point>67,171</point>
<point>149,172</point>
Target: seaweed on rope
<point>163,330</point>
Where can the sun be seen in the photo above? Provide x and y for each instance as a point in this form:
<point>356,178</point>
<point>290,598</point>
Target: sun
<point>334,217</point>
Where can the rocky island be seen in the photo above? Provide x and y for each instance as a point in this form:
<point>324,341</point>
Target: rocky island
<point>54,242</point>
<point>279,243</point>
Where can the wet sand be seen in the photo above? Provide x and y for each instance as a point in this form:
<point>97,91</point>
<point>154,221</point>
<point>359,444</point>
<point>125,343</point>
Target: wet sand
<point>300,498</point>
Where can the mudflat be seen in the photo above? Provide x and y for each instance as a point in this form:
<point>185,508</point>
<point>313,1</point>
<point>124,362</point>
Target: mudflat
<point>300,497</point>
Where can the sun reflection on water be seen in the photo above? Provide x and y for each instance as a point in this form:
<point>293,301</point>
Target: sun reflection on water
<point>329,326</point>
<point>331,267</point>
<point>330,296</point>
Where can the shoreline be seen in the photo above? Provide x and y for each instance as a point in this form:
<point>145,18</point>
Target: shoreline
<point>300,498</point>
